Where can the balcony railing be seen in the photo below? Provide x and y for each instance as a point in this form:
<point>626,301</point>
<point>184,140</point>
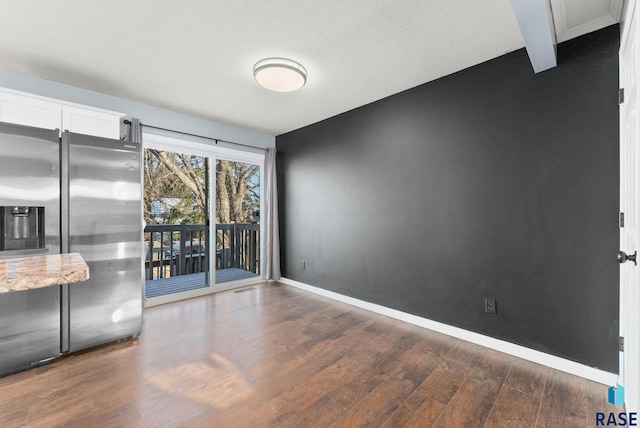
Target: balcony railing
<point>181,249</point>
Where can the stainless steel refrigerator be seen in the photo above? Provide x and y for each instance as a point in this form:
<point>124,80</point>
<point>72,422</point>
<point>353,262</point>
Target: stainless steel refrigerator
<point>86,195</point>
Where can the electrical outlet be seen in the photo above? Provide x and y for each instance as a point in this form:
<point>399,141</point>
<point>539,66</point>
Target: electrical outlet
<point>490,306</point>
<point>302,264</point>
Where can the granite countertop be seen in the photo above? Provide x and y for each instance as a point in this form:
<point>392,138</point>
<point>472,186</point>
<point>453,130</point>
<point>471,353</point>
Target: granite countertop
<point>28,273</point>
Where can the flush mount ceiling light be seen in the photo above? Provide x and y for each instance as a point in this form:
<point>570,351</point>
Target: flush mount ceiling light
<point>280,74</point>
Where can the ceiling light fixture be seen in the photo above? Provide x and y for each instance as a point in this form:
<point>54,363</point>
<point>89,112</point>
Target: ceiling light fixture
<point>280,74</point>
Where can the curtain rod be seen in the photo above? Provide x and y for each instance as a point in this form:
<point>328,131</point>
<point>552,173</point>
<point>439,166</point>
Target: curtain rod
<point>128,122</point>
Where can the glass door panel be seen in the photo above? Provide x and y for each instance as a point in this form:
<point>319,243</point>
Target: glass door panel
<point>176,213</point>
<point>237,221</point>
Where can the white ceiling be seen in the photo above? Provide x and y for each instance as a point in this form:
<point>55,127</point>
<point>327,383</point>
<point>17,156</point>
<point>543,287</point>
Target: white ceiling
<point>196,56</point>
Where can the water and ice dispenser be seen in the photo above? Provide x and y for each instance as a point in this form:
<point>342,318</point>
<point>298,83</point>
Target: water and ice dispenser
<point>21,228</point>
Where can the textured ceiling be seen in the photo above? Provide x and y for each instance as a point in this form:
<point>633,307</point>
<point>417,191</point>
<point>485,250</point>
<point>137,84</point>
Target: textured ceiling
<point>196,56</point>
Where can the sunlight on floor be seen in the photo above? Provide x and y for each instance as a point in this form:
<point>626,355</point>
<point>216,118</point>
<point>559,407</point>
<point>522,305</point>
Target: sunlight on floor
<point>215,382</point>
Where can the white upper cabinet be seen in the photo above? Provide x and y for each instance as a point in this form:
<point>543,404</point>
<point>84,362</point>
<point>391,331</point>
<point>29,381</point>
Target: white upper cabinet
<point>32,110</point>
<point>89,121</point>
<point>29,111</point>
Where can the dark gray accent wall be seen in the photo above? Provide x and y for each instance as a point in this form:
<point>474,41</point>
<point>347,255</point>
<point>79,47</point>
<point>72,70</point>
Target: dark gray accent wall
<point>492,182</point>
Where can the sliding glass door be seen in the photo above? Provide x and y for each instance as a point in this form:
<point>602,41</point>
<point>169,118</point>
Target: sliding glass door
<point>202,218</point>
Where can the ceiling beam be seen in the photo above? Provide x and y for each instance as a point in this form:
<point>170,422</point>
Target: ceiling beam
<point>536,26</point>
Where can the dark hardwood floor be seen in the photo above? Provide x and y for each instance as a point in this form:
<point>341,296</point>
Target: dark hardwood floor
<point>276,356</point>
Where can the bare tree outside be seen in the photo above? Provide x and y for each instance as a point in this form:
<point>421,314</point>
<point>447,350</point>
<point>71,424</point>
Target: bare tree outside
<point>237,192</point>
<point>175,187</point>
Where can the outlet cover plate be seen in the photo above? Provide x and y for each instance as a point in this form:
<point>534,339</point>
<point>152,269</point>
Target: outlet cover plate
<point>490,306</point>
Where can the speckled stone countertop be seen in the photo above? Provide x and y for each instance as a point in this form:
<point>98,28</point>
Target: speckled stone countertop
<point>28,273</point>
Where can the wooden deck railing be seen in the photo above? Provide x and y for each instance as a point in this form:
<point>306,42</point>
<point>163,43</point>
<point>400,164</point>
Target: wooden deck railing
<point>182,249</point>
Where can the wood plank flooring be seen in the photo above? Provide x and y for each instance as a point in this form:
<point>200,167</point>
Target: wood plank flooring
<point>276,356</point>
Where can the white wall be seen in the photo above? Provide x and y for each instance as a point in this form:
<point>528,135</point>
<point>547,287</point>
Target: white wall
<point>146,113</point>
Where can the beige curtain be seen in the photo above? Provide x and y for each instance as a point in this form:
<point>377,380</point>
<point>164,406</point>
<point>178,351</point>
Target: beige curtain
<point>270,218</point>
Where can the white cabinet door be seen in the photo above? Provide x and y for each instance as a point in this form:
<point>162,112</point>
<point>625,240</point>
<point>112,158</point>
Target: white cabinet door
<point>91,122</point>
<point>27,109</point>
<point>24,110</point>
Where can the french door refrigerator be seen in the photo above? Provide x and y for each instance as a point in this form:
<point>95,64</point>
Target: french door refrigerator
<point>88,192</point>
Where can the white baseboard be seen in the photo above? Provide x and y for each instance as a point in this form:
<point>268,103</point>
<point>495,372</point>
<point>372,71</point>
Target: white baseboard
<point>519,351</point>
